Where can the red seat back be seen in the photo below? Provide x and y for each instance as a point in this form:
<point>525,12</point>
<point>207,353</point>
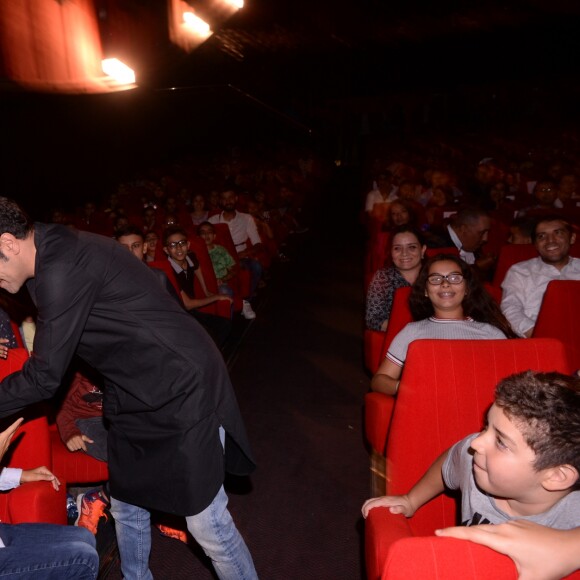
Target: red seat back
<point>509,255</point>
<point>399,318</point>
<point>446,389</point>
<point>430,252</point>
<point>559,317</point>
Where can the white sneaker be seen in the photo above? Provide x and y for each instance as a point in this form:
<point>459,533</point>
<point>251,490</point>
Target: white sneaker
<point>247,310</point>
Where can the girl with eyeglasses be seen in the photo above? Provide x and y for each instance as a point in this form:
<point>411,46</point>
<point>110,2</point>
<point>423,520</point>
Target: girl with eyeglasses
<point>447,301</point>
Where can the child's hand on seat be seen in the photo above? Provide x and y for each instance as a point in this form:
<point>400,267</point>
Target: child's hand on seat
<point>40,474</point>
<point>78,443</point>
<point>3,347</point>
<point>397,504</point>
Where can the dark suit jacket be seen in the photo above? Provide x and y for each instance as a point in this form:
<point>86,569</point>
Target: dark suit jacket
<point>166,387</point>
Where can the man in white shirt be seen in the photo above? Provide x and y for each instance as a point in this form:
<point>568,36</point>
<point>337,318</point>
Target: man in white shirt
<point>525,282</point>
<point>242,227</point>
<point>383,191</point>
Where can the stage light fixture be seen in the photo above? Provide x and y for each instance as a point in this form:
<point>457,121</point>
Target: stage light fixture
<point>119,71</point>
<point>196,24</point>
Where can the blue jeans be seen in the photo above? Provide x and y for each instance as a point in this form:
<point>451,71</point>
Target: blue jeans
<point>255,269</point>
<point>213,529</point>
<point>48,552</point>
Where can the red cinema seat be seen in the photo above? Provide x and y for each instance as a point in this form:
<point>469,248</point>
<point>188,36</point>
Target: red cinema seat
<point>446,388</point>
<point>77,467</point>
<point>430,252</point>
<point>378,406</point>
<point>30,448</point>
<point>426,558</point>
<point>509,255</point>
<point>559,317</point>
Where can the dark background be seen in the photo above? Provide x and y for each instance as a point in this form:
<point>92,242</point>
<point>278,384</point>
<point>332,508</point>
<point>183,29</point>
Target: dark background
<point>337,76</point>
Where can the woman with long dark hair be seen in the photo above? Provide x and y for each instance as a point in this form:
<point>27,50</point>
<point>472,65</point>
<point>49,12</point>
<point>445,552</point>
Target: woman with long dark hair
<point>407,250</point>
<point>447,301</point>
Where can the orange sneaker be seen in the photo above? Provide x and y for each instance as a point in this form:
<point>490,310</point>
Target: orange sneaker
<point>172,533</point>
<point>91,506</point>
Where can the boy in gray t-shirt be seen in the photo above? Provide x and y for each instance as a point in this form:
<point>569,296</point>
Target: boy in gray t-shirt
<point>525,464</point>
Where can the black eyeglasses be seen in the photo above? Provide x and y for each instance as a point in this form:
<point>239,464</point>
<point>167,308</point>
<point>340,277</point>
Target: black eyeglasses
<point>437,279</point>
<point>180,244</point>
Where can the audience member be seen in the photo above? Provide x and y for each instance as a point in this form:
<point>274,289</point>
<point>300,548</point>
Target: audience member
<point>153,252</point>
<point>198,211</point>
<point>383,192</point>
<point>400,213</point>
<point>525,282</point>
<point>224,265</point>
<point>186,268</point>
<point>545,195</point>
<point>449,302</point>
<point>242,228</point>
<point>521,231</point>
<point>468,232</point>
<point>407,251</point>
<point>524,464</point>
<point>567,192</point>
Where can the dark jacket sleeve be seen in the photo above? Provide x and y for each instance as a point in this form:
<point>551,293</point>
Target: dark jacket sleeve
<point>64,296</point>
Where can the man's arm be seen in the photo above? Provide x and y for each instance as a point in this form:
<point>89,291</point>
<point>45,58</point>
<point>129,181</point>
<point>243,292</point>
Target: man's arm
<point>513,303</point>
<point>64,298</point>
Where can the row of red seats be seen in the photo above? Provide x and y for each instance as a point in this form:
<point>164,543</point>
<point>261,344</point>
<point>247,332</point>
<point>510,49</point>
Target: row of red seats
<point>38,443</point>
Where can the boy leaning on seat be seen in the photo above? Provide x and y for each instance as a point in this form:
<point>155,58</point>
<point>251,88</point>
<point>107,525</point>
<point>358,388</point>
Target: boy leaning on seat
<point>524,465</point>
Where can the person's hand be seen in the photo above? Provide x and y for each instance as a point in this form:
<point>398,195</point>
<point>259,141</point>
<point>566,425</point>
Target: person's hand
<point>40,474</point>
<point>6,436</point>
<point>397,504</point>
<point>3,347</point>
<point>539,553</point>
<point>225,297</point>
<point>78,443</point>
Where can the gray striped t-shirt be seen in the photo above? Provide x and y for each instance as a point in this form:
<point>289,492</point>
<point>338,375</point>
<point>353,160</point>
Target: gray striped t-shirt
<point>467,329</point>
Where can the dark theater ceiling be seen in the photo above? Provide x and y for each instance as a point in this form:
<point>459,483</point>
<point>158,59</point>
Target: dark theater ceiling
<point>379,43</point>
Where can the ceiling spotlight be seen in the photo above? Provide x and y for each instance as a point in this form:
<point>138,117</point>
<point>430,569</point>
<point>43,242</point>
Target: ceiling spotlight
<point>236,3</point>
<point>114,68</point>
<point>196,24</point>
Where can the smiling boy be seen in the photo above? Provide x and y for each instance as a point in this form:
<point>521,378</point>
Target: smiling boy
<point>523,465</point>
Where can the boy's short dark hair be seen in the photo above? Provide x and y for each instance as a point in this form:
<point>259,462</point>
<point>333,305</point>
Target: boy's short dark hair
<point>129,230</point>
<point>13,219</point>
<point>205,225</point>
<point>546,408</point>
<point>171,231</point>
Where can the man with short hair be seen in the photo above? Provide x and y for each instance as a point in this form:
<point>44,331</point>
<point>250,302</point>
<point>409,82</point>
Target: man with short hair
<point>525,282</point>
<point>242,227</point>
<point>174,423</point>
<point>468,232</point>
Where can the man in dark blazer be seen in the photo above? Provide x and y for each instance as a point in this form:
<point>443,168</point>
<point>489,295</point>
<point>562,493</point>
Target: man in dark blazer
<point>174,423</point>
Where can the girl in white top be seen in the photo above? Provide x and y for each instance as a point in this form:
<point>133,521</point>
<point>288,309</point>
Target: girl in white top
<point>449,302</point>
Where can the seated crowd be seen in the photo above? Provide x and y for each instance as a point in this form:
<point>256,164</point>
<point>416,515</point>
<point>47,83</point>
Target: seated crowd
<point>210,231</point>
<point>447,235</point>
